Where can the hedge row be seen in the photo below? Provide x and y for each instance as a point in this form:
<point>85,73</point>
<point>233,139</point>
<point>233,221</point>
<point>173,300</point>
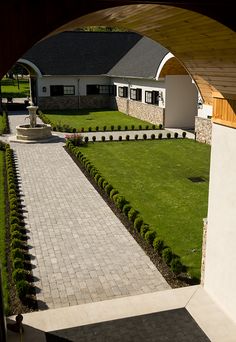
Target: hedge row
<point>4,126</point>
<point>17,231</point>
<point>127,137</point>
<point>146,231</point>
<point>68,129</point>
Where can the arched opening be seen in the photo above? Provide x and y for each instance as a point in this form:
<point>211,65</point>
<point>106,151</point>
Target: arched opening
<point>207,49</point>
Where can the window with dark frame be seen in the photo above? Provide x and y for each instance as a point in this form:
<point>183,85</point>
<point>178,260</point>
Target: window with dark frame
<point>136,94</point>
<point>101,89</point>
<point>60,90</point>
<point>152,97</point>
<point>123,91</point>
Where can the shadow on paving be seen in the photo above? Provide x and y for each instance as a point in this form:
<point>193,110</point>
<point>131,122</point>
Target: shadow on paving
<point>169,326</point>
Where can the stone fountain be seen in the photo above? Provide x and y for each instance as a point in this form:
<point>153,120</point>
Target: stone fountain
<point>33,131</point>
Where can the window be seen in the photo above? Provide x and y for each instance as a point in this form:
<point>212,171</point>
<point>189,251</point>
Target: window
<point>152,97</point>
<point>136,94</point>
<point>69,90</point>
<point>123,91</point>
<point>60,90</point>
<point>103,89</point>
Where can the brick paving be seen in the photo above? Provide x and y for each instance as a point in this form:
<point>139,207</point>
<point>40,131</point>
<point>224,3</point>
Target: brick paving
<point>81,251</point>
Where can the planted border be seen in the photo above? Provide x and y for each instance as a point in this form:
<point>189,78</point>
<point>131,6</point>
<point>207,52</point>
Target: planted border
<point>147,232</point>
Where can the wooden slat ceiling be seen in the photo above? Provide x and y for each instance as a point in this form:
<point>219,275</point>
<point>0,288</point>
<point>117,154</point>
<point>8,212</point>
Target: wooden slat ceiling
<point>206,48</point>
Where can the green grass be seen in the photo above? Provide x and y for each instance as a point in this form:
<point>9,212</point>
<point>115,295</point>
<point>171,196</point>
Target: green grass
<point>153,176</point>
<point>2,233</point>
<point>10,88</point>
<point>91,118</point>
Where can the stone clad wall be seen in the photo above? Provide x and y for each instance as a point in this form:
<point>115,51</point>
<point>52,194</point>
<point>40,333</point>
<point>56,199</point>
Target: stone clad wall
<point>74,102</point>
<point>137,109</point>
<point>203,129</point>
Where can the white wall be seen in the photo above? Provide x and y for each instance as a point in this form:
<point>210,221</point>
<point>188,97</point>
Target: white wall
<point>46,81</point>
<point>220,262</point>
<point>205,111</point>
<point>146,85</point>
<point>181,102</point>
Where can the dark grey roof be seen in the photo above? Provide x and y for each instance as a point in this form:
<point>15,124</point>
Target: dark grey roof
<point>97,53</point>
<point>142,60</point>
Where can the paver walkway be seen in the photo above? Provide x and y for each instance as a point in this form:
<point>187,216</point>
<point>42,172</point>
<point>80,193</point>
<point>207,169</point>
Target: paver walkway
<point>82,252</point>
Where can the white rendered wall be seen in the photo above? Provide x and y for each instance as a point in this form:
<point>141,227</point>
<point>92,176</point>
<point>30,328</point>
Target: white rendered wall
<point>220,262</point>
<point>205,111</point>
<point>145,85</point>
<point>79,82</point>
<point>181,102</point>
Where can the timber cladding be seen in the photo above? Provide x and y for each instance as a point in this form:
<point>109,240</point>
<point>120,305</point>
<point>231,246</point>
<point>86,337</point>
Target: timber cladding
<point>224,111</point>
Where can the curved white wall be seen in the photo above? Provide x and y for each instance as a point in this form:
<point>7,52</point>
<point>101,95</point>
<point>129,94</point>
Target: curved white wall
<point>220,262</point>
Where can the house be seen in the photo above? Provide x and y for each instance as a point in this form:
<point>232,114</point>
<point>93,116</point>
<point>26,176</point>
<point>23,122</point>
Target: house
<point>203,122</point>
<point>118,70</point>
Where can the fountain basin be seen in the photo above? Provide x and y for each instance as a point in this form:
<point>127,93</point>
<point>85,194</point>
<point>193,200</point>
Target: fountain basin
<point>39,132</point>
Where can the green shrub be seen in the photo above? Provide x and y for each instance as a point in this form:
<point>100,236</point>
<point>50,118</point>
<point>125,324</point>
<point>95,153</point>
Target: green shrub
<point>167,255</point>
<point>153,136</point>
<point>144,229</point>
<point>108,188</point>
<point>90,129</point>
<point>15,220</point>
<point>160,136</point>
<point>19,274</point>
<point>138,223</point>
<point>97,128</point>
<point>120,138</point>
<point>112,127</point>
<point>104,128</point>
<point>17,253</point>
<point>153,126</point>
<point>140,127</point>
<point>127,137</point>
<point>15,227</point>
<point>132,127</point>
<point>136,137</point>
<point>126,208</point>
<point>158,245</point>
<point>176,265</point>
<point>126,128</point>
<point>132,214</point>
<point>113,192</point>
<point>82,129</point>
<point>145,136</point>
<point>97,176</point>
<point>184,134</point>
<point>168,135</point>
<point>176,135</point>
<point>120,201</point>
<point>150,236</point>
<point>94,138</point>
<point>18,263</point>
<point>23,288</point>
<point>103,138</point>
<point>119,127</point>
<point>111,137</point>
<point>100,182</point>
<point>16,243</point>
<point>16,234</point>
<point>86,139</point>
<point>160,126</point>
<point>147,127</point>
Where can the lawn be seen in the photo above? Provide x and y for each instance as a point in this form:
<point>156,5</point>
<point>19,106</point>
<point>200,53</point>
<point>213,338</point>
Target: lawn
<point>2,232</point>
<point>153,176</point>
<point>91,118</point>
<point>10,88</point>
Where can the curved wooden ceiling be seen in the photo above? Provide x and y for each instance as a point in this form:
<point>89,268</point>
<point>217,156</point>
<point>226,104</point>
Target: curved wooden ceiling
<point>206,47</point>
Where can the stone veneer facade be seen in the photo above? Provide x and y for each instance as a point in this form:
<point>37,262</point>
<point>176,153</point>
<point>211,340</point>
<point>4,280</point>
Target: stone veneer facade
<point>204,237</point>
<point>137,109</point>
<point>203,129</point>
<point>74,102</point>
